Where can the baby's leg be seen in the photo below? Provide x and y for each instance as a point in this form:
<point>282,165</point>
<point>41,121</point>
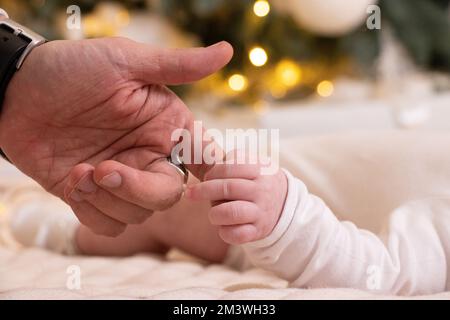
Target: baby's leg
<point>184,226</point>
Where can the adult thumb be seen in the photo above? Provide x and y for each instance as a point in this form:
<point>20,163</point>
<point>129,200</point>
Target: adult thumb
<point>177,66</point>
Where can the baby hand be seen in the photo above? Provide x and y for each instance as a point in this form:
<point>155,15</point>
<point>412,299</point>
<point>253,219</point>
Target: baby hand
<point>246,205</point>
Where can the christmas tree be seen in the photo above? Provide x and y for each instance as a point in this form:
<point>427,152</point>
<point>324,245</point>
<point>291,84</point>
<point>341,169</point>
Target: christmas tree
<point>274,54</point>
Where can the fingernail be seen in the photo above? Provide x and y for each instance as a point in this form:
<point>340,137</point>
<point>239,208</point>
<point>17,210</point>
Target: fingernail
<point>75,196</point>
<point>216,44</point>
<point>112,180</point>
<point>86,184</point>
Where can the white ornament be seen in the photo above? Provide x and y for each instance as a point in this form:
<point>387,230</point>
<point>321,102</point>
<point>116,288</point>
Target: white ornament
<point>327,17</point>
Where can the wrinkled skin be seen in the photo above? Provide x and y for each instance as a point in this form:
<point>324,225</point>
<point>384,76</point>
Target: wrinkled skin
<point>78,111</point>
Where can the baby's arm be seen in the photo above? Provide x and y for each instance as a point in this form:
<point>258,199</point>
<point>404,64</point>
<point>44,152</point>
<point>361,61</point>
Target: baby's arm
<point>309,247</point>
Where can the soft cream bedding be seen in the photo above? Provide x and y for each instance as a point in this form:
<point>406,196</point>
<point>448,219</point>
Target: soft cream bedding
<point>399,167</point>
<point>37,274</point>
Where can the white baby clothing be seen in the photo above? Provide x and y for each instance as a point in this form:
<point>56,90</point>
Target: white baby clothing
<point>394,187</point>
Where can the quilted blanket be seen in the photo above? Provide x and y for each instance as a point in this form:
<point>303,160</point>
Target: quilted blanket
<point>29,273</point>
<point>37,274</point>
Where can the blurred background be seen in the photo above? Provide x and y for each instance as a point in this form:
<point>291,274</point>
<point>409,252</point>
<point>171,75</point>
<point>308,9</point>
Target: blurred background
<point>304,66</point>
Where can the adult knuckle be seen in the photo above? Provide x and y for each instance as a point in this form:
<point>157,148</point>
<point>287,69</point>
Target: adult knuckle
<point>117,49</point>
<point>167,200</point>
<point>163,204</point>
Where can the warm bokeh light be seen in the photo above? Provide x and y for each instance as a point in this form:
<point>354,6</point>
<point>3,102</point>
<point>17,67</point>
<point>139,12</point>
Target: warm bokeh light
<point>260,107</point>
<point>258,56</point>
<point>325,88</point>
<point>122,18</point>
<point>278,90</point>
<point>261,8</point>
<point>94,27</point>
<point>237,82</point>
<point>288,72</point>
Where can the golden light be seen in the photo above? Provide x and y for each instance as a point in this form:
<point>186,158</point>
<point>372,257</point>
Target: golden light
<point>288,72</point>
<point>278,90</point>
<point>122,18</point>
<point>258,56</point>
<point>260,107</point>
<point>325,88</point>
<point>237,82</point>
<point>92,26</point>
<point>261,8</point>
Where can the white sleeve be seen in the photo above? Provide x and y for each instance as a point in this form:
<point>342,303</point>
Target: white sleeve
<point>310,248</point>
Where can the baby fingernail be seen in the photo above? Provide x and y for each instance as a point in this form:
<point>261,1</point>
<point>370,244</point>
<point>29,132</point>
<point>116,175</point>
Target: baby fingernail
<point>112,180</point>
<point>75,196</point>
<point>87,184</point>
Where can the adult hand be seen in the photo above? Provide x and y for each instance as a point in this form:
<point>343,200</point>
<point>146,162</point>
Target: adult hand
<point>91,122</point>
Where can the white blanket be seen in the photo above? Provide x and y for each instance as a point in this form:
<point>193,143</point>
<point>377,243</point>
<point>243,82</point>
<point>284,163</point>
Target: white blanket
<point>37,274</point>
<point>362,178</point>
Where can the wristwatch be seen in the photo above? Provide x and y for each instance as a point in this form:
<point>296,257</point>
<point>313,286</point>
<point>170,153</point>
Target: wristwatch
<point>16,43</point>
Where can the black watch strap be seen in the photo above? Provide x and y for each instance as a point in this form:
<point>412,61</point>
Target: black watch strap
<point>11,49</point>
<point>16,42</point>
